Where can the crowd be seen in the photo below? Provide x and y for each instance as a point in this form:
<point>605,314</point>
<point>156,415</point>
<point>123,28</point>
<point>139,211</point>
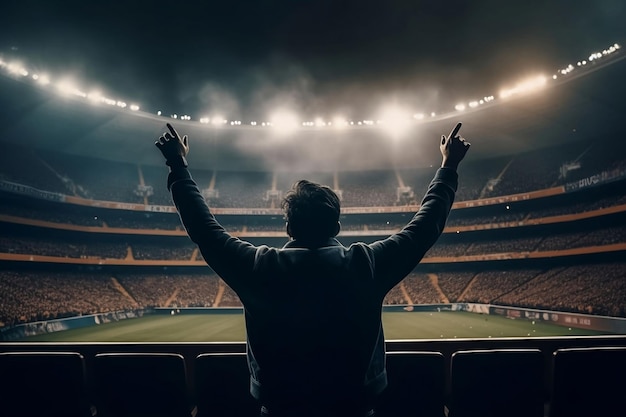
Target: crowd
<point>29,296</point>
<point>121,182</point>
<point>180,248</point>
<point>39,295</point>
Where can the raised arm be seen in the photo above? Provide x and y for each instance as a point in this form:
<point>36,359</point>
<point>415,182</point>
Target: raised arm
<point>230,257</point>
<point>397,256</point>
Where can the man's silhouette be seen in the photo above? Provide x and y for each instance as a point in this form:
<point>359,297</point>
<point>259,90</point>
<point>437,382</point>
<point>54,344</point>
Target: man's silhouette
<point>315,340</point>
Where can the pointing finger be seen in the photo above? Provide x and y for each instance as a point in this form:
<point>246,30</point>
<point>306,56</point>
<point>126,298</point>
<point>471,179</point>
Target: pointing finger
<point>173,131</point>
<point>455,131</point>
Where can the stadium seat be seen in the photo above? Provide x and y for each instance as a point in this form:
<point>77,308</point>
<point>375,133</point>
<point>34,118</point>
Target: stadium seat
<point>38,384</point>
<point>416,385</point>
<point>141,385</point>
<point>589,382</point>
<point>222,382</point>
<point>495,383</point>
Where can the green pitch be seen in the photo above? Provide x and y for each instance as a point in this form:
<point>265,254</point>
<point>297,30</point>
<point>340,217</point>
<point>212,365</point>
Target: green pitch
<point>230,328</point>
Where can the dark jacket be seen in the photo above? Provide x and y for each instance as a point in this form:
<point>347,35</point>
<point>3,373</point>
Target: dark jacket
<point>313,314</point>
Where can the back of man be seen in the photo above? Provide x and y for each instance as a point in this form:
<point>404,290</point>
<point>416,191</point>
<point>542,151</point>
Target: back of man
<point>313,321</point>
<point>313,307</point>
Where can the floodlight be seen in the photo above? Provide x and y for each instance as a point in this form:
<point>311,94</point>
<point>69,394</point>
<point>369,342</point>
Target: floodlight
<point>66,87</point>
<point>15,67</point>
<point>339,122</point>
<point>459,107</point>
<point>319,122</point>
<point>284,121</point>
<point>526,86</point>
<point>217,120</point>
<point>95,96</point>
<point>134,107</point>
<point>395,120</point>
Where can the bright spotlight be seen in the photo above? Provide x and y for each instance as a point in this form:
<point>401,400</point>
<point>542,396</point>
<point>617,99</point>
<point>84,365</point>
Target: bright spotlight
<point>217,120</point>
<point>66,87</point>
<point>134,107</point>
<point>339,122</point>
<point>527,86</point>
<point>459,107</point>
<point>15,68</point>
<point>319,122</point>
<point>395,120</point>
<point>284,121</point>
<point>43,79</point>
<point>95,96</point>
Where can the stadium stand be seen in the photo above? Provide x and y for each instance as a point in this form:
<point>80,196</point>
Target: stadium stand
<point>64,259</point>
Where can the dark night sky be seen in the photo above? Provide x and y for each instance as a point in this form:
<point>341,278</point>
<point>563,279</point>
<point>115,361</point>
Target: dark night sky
<point>241,58</point>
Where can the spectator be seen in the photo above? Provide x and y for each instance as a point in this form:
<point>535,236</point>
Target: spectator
<point>327,367</point>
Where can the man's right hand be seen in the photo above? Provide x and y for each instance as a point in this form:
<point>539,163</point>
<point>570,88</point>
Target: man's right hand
<point>453,148</point>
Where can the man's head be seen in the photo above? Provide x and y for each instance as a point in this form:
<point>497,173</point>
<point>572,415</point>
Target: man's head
<point>312,212</point>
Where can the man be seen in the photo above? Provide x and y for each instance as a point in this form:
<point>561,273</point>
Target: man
<point>313,308</point>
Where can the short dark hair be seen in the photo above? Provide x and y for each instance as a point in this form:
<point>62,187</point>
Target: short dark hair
<point>312,211</point>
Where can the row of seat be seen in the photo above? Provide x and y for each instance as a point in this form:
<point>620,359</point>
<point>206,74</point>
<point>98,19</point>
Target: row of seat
<point>506,382</point>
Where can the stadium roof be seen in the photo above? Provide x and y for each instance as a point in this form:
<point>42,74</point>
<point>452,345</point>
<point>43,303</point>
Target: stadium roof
<point>320,59</point>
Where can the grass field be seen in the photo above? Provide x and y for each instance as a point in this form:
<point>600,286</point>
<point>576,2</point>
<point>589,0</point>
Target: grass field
<point>230,328</point>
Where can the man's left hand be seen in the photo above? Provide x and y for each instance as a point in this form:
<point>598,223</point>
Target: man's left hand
<point>172,146</point>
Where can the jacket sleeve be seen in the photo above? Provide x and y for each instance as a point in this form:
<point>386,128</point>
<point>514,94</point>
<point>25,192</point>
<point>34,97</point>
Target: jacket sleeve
<point>396,256</point>
<point>229,257</point>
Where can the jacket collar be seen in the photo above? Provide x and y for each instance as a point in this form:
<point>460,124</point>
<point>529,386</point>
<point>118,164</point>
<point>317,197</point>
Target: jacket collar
<point>310,245</point>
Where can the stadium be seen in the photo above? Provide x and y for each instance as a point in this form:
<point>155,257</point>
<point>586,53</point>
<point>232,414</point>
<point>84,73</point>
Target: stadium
<point>521,304</point>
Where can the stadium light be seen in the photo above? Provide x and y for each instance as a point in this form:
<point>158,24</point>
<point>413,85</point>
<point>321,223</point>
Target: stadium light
<point>66,87</point>
<point>284,121</point>
<point>339,122</point>
<point>218,120</point>
<point>95,96</point>
<point>16,68</point>
<point>395,120</point>
<point>524,87</point>
<point>392,119</point>
<point>41,79</point>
